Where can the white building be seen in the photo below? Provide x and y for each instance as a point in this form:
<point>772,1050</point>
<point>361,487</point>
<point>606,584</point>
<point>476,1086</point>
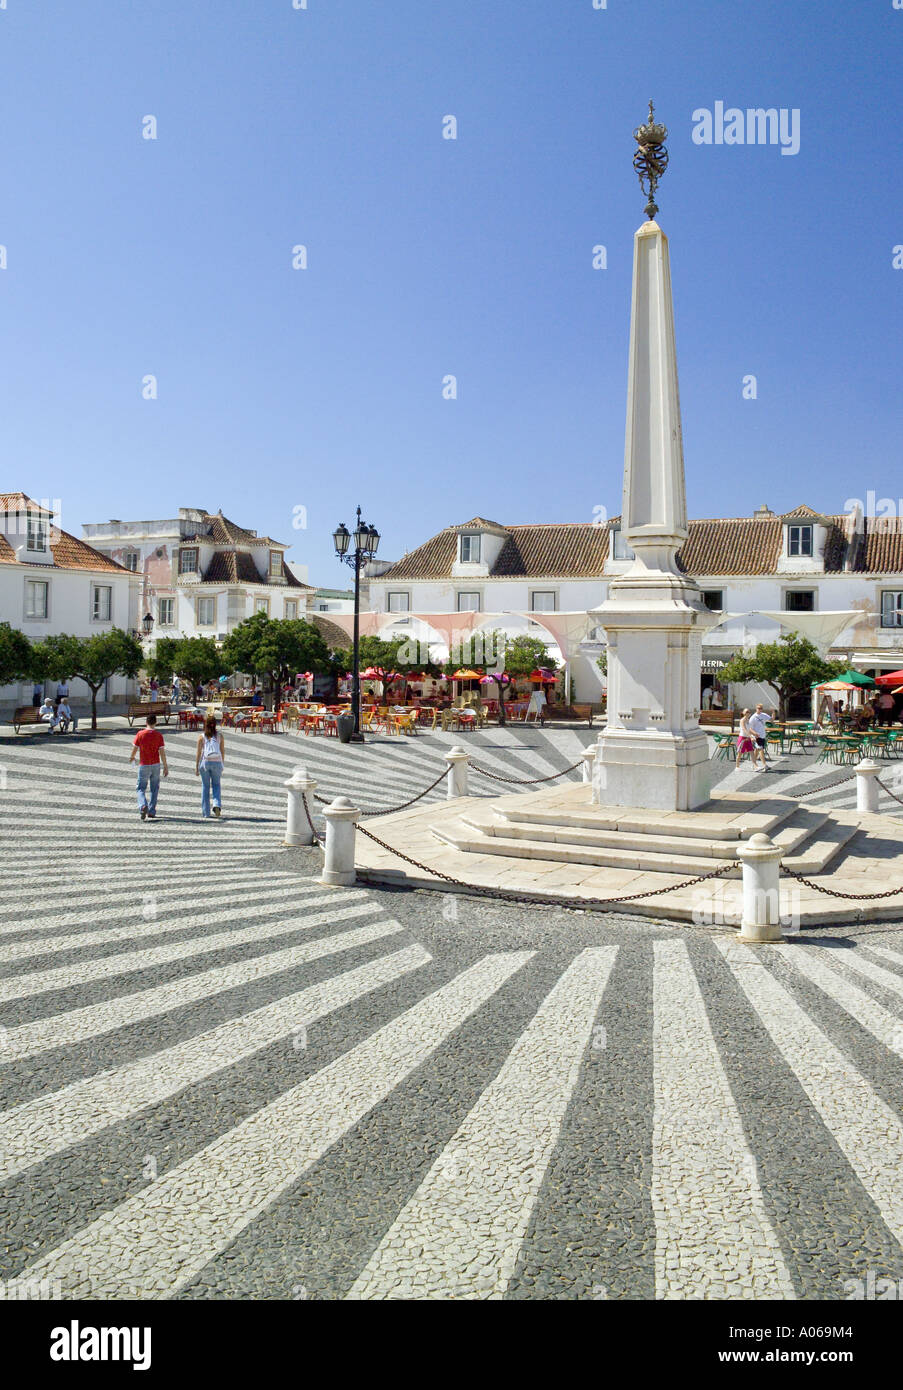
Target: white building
<point>332,601</point>
<point>200,573</point>
<point>799,563</point>
<point>51,583</point>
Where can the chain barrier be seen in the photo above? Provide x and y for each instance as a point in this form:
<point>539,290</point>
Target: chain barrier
<point>525,781</point>
<point>577,904</point>
<point>836,893</point>
<point>888,790</point>
<point>318,838</point>
<point>390,810</point>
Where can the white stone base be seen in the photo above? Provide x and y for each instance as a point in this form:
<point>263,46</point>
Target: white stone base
<point>661,771</point>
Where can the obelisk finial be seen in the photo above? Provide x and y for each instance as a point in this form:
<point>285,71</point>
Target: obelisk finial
<point>651,158</point>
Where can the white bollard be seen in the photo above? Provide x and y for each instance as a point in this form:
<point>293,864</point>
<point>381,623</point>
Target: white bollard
<point>589,762</point>
<point>338,865</point>
<point>458,759</point>
<point>297,830</point>
<point>761,920</point>
<point>867,786</point>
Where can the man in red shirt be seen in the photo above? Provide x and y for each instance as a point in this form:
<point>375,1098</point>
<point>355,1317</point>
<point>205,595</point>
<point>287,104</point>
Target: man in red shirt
<point>148,745</point>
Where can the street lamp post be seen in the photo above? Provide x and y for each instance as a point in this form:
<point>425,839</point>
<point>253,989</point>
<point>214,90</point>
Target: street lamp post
<point>366,542</point>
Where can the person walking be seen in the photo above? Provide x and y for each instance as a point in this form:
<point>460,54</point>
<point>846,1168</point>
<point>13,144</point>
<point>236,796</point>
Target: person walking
<point>758,727</point>
<point>148,747</point>
<point>746,742</point>
<point>209,763</point>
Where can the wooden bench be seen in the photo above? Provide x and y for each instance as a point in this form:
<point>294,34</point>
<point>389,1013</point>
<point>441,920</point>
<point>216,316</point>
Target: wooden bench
<point>234,701</point>
<point>27,714</point>
<point>142,710</point>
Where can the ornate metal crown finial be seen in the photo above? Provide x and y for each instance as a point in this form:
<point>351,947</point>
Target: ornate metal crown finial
<point>651,158</point>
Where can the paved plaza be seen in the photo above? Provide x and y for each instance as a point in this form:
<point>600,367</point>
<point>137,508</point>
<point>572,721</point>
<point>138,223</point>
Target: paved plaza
<point>224,1081</point>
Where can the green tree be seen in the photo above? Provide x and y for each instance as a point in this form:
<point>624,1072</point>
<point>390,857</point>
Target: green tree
<point>194,658</point>
<point>523,654</point>
<point>16,656</point>
<point>791,666</point>
<point>388,654</point>
<point>276,647</point>
<point>90,659</point>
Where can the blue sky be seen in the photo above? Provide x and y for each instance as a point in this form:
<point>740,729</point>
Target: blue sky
<point>281,389</point>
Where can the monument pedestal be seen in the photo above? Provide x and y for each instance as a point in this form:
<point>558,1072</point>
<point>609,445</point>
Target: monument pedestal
<point>653,752</point>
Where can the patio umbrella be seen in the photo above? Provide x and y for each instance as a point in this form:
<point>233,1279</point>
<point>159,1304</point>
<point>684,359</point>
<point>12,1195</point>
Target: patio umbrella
<point>892,678</point>
<point>835,685</point>
<point>542,673</point>
<point>855,678</point>
<point>465,674</point>
<point>499,680</point>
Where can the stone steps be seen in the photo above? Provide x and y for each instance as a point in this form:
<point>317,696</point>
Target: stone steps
<point>793,832</point>
<point>760,815</point>
<point>810,840</point>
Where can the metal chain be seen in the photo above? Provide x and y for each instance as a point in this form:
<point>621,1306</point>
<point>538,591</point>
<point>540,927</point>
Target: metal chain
<point>525,781</point>
<point>388,810</point>
<point>835,893</point>
<point>828,787</point>
<point>318,838</point>
<point>888,790</point>
<point>577,903</point>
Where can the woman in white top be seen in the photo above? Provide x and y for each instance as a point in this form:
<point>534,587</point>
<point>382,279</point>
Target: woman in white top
<point>209,764</point>
<point>746,742</point>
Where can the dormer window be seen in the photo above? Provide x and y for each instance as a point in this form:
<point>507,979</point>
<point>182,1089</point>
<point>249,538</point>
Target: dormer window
<point>470,550</point>
<point>620,550</point>
<point>36,538</point>
<point>275,564</point>
<point>799,540</point>
<point>188,561</point>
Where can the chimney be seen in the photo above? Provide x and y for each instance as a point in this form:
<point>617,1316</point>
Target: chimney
<point>762,512</point>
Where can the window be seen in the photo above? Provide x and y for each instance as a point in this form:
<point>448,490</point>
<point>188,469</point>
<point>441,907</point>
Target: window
<point>398,603</point>
<point>275,564</point>
<point>37,533</point>
<point>206,612</point>
<point>130,561</point>
<point>799,601</point>
<point>620,550</point>
<point>188,561</point>
<point>101,603</point>
<point>543,601</point>
<point>468,603</point>
<point>799,540</point>
<point>165,611</point>
<point>892,608</point>
<point>291,608</point>
<point>36,598</point>
<point>261,605</point>
<point>714,599</point>
<point>470,550</point>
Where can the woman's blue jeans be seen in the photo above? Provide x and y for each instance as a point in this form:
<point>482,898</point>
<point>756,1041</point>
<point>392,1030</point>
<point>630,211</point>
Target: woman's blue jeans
<point>210,783</point>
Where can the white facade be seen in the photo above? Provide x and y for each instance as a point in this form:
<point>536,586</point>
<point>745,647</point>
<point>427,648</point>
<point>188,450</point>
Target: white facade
<point>53,583</point>
<point>853,566</point>
<point>200,574</point>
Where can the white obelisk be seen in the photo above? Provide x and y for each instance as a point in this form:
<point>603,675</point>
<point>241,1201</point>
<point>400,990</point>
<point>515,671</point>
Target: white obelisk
<point>652,752</point>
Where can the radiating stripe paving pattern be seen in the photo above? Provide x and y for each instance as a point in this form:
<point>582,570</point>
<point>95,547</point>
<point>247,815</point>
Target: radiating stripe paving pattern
<point>460,1234</point>
<point>711,1224</point>
<point>145,1010</point>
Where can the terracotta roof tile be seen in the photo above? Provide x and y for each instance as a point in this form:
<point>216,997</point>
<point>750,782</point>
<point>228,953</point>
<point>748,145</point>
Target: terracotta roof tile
<point>720,546</point>
<point>238,567</point>
<point>72,554</point>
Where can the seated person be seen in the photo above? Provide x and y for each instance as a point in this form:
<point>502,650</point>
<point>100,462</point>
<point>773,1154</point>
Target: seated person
<point>65,717</point>
<point>257,698</point>
<point>47,713</point>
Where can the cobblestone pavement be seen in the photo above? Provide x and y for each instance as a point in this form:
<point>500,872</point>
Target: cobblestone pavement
<point>223,1081</point>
